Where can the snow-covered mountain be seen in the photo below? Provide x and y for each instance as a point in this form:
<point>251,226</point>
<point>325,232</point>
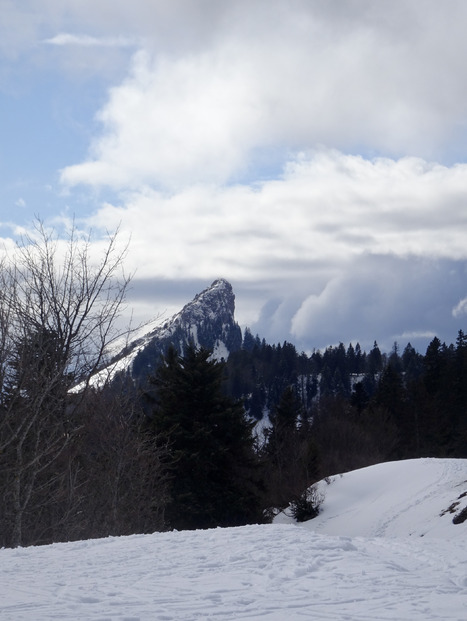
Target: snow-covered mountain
<point>384,547</point>
<point>207,321</point>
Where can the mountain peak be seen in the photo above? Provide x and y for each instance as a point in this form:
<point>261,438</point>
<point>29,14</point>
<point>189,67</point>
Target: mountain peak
<point>218,299</point>
<point>221,283</point>
<point>207,321</point>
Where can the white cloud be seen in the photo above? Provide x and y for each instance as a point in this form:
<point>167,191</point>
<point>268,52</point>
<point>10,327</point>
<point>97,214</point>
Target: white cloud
<point>326,209</point>
<point>202,115</point>
<point>174,124</point>
<point>418,334</point>
<point>460,309</point>
<point>88,41</point>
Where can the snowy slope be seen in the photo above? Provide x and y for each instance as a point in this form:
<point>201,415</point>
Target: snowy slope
<point>401,498</point>
<point>272,572</point>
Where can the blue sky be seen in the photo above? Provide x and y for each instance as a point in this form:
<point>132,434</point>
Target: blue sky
<point>311,152</point>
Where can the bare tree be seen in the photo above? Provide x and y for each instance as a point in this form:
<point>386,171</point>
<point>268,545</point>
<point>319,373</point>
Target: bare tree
<point>124,469</point>
<point>58,312</point>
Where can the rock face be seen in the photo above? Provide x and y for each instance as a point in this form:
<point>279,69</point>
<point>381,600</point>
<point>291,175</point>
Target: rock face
<point>207,321</point>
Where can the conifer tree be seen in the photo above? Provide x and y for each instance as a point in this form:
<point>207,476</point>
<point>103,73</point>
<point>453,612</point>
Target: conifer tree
<point>374,360</point>
<point>213,477</point>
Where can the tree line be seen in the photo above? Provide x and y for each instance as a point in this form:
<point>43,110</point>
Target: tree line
<point>362,407</point>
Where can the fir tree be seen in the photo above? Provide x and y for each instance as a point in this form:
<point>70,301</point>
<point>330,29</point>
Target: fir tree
<point>375,360</point>
<point>214,464</point>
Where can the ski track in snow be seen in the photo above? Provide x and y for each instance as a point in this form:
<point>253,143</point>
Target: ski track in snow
<point>393,499</point>
<point>269,572</point>
<point>430,493</point>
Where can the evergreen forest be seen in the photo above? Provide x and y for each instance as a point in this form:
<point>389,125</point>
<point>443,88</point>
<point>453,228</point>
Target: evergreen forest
<point>361,407</point>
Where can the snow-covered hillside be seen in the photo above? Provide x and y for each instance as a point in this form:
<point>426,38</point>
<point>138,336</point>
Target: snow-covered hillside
<point>363,558</point>
<point>417,497</point>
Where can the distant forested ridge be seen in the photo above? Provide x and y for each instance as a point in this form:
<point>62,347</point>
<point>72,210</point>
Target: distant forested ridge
<point>401,403</point>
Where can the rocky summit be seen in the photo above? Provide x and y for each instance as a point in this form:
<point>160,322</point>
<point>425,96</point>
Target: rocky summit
<point>207,321</point>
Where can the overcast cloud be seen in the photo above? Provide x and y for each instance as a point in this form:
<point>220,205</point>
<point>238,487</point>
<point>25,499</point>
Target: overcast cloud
<point>311,152</point>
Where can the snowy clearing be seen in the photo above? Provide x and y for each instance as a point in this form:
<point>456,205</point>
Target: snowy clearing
<point>270,572</point>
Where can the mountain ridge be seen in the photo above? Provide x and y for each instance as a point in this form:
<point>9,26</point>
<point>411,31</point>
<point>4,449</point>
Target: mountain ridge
<point>207,321</point>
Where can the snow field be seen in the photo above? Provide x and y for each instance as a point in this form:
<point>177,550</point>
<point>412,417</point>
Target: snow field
<point>275,572</point>
<point>272,572</point>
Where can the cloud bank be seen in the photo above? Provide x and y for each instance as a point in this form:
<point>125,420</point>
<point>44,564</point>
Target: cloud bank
<point>385,84</point>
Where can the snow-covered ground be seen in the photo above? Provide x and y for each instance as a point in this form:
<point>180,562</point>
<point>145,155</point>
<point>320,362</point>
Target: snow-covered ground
<point>383,548</point>
<point>412,498</point>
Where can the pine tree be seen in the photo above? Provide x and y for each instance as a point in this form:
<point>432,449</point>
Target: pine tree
<point>375,360</point>
<point>412,363</point>
<point>392,398</point>
<point>214,474</point>
<point>249,340</point>
<point>351,359</point>
<point>359,359</point>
